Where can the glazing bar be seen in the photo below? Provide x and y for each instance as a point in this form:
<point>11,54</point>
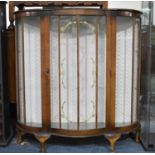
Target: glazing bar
<point>59,66</point>
<point>96,71</point>
<point>133,60</point>
<point>78,76</point>
<point>23,69</point>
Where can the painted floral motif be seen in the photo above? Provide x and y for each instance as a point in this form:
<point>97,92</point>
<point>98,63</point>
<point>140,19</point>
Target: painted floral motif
<point>93,72</point>
<point>69,25</point>
<point>62,74</point>
<point>63,114</point>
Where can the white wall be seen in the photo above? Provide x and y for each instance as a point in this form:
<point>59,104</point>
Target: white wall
<point>125,4</point>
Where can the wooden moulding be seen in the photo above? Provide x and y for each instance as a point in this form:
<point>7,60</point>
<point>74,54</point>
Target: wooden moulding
<point>80,133</point>
<point>73,11</point>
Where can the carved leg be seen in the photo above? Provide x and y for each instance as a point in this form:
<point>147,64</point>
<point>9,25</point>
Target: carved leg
<point>112,138</point>
<point>138,135</point>
<point>20,135</point>
<point>42,139</point>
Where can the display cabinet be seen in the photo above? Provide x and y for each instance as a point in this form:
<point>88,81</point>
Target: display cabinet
<point>77,72</point>
<point>5,123</point>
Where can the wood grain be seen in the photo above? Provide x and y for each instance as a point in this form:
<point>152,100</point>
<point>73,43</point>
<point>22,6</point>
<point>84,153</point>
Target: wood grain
<point>45,71</point>
<point>111,72</point>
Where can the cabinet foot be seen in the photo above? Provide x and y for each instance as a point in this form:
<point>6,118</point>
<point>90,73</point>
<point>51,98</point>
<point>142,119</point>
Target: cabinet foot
<point>112,138</point>
<point>137,138</point>
<point>20,137</point>
<point>42,139</point>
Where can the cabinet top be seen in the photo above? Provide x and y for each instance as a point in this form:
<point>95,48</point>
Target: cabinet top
<point>77,11</point>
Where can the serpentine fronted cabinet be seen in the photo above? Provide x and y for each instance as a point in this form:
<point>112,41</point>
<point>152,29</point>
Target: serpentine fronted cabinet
<point>78,73</point>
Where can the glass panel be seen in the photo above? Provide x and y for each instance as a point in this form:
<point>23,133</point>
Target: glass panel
<point>32,67</point>
<point>135,72</point>
<point>68,52</point>
<point>19,46</point>
<point>123,71</point>
<point>54,72</point>
<point>87,72</point>
<point>101,72</point>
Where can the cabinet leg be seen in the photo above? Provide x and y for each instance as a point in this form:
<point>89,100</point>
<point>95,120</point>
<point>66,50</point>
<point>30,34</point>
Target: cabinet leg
<point>20,135</point>
<point>137,138</point>
<point>112,138</point>
<point>42,139</point>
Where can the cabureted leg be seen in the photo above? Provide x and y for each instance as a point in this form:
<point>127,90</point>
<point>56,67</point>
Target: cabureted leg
<point>137,138</point>
<point>112,138</point>
<point>20,135</point>
<point>42,139</point>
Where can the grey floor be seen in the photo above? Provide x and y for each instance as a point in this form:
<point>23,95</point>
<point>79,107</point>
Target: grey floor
<point>68,145</point>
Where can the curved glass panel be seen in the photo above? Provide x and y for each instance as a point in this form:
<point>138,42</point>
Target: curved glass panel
<point>29,71</point>
<point>19,45</point>
<point>124,48</point>
<point>32,69</point>
<point>127,65</point>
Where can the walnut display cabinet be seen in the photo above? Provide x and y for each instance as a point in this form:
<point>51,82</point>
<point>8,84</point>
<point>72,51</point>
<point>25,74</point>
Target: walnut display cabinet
<point>77,72</point>
<point>5,123</point>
